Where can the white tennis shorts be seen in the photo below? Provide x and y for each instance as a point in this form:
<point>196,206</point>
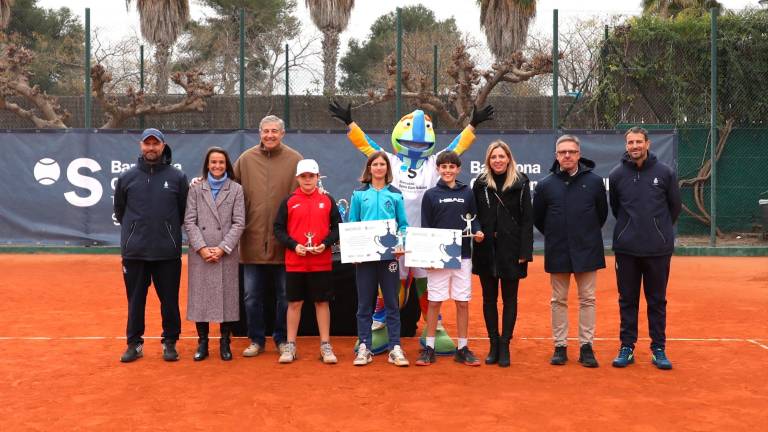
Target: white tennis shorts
<point>455,284</point>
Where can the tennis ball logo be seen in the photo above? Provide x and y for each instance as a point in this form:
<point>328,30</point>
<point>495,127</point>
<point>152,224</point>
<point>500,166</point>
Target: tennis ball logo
<point>47,171</point>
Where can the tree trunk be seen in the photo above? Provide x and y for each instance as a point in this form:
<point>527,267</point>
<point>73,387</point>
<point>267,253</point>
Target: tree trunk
<point>330,55</point>
<point>162,53</point>
<point>228,79</point>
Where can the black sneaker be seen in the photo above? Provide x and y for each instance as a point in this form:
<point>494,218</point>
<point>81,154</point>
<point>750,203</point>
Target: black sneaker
<point>587,356</point>
<point>560,356</point>
<point>133,352</point>
<point>169,351</point>
<point>426,357</point>
<point>466,357</point>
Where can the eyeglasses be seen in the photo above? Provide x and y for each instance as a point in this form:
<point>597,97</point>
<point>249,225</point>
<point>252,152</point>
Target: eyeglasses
<point>567,152</point>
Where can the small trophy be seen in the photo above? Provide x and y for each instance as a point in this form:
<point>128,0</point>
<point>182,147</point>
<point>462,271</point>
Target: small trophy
<point>309,245</point>
<point>343,206</point>
<point>400,247</point>
<point>468,218</point>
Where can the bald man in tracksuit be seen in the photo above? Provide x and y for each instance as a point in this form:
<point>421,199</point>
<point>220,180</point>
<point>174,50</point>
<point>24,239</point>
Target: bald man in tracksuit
<point>645,199</point>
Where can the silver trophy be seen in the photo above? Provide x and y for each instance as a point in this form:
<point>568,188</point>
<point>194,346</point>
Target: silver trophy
<point>309,245</point>
<point>400,247</point>
<point>343,206</point>
<point>468,218</point>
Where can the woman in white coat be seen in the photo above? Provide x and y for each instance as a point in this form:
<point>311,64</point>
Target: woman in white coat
<point>214,220</point>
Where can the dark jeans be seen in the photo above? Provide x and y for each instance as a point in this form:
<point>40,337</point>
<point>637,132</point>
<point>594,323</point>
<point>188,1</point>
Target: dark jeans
<point>256,281</point>
<point>369,277</point>
<point>653,273</point>
<point>509,288</point>
<point>165,275</point>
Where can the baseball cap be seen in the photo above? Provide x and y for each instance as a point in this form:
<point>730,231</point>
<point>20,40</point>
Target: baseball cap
<point>307,166</point>
<point>152,132</point>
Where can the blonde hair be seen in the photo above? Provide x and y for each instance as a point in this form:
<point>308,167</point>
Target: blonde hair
<point>512,173</point>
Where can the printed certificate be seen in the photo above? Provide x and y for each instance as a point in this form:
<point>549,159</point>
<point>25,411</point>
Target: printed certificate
<point>368,241</point>
<point>433,248</point>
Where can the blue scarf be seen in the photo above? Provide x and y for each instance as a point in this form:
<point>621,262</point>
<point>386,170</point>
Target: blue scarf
<point>216,184</point>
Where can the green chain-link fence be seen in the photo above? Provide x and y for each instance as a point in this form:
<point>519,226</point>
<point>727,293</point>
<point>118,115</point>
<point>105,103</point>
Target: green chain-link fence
<point>616,71</point>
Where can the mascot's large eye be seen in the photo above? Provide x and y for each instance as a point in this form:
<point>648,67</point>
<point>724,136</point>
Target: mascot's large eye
<point>407,123</point>
<point>428,125</point>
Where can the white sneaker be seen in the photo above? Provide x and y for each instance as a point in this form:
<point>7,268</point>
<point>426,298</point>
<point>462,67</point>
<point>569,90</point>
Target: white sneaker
<point>288,353</point>
<point>326,353</point>
<point>363,357</point>
<point>397,357</point>
<point>253,350</point>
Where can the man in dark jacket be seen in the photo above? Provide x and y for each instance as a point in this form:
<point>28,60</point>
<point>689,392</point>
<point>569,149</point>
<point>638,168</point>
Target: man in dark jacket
<point>570,208</point>
<point>149,203</point>
<point>645,199</point>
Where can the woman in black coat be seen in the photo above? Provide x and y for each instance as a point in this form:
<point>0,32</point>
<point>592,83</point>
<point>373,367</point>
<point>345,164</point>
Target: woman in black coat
<point>503,198</point>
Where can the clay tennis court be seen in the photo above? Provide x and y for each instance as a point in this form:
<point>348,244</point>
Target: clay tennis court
<point>62,323</point>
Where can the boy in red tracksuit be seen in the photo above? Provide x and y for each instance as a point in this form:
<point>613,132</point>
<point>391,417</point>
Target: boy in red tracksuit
<point>307,223</point>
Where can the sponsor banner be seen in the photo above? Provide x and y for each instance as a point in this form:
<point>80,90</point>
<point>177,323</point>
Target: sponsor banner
<point>57,186</point>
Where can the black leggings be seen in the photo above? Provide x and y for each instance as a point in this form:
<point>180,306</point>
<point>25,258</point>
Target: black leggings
<point>202,329</point>
<point>509,287</point>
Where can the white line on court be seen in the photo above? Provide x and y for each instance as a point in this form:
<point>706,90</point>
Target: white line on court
<point>757,343</point>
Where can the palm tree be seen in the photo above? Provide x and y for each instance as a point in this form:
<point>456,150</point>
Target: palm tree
<point>506,24</point>
<point>331,17</point>
<point>671,8</point>
<point>5,12</point>
<point>161,23</point>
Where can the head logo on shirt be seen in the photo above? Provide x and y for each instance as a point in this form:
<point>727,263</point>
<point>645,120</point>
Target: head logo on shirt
<point>388,205</point>
<point>321,205</point>
<point>165,185</point>
<point>655,181</point>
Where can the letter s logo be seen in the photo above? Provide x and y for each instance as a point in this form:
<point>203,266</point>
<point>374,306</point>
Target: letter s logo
<point>411,173</point>
<point>85,182</point>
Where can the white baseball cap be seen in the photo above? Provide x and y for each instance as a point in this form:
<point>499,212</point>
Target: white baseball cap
<point>307,166</point>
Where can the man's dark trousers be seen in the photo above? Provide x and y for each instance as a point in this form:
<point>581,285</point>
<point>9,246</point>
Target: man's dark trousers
<point>165,275</point>
<point>653,272</point>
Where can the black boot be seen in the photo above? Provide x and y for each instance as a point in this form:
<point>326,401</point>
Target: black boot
<point>587,356</point>
<point>202,348</point>
<point>504,351</point>
<point>560,357</point>
<point>202,341</point>
<point>224,350</point>
<point>493,353</point>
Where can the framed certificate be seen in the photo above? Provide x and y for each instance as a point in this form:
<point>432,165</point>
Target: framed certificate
<point>433,248</point>
<point>368,241</point>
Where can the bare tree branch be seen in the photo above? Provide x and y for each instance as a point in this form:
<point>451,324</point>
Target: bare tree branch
<point>197,91</point>
<point>472,86</point>
<point>14,81</point>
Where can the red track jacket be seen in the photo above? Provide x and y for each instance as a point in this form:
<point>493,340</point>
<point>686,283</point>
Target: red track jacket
<point>299,214</point>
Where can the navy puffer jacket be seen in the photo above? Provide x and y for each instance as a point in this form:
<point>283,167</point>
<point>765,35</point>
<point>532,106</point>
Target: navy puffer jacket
<point>570,211</point>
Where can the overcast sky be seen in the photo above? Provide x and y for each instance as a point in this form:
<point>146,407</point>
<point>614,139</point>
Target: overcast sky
<point>114,22</point>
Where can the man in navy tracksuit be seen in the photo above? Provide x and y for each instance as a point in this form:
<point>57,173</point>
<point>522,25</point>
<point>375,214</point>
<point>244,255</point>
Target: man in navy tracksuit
<point>645,199</point>
<point>150,199</point>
